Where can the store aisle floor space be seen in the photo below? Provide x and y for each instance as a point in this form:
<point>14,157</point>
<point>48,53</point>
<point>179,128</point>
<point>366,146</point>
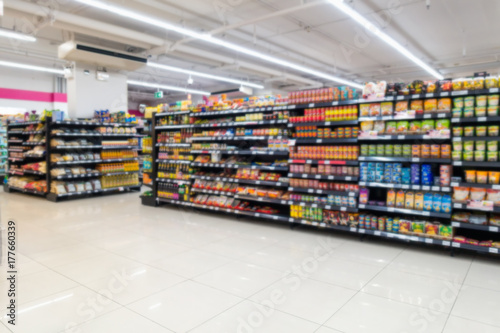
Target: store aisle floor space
<point>112,266</point>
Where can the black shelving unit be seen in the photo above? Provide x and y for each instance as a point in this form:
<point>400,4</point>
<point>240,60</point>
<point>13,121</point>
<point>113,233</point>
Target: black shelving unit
<point>50,125</point>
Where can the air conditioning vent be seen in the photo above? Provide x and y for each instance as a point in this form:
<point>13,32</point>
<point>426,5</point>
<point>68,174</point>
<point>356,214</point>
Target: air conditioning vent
<point>73,51</point>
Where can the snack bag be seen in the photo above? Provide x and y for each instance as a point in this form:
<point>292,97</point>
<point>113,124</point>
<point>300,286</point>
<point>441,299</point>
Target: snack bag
<point>375,110</point>
<point>437,202</point>
<point>428,199</point>
<point>415,126</point>
<point>410,200</point>
<point>428,125</point>
<point>419,201</point>
<point>403,126</point>
<point>364,110</point>
<point>417,105</point>
<point>444,104</point>
<point>400,199</point>
<point>391,127</point>
<point>431,105</point>
<point>445,232</point>
<point>386,108</point>
<point>418,227</point>
<point>391,198</point>
<point>401,106</point>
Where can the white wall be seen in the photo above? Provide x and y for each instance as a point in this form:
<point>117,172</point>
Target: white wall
<point>28,80</point>
<point>86,94</point>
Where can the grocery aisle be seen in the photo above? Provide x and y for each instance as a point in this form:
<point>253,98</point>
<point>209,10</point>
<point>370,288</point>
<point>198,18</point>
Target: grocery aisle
<point>115,265</point>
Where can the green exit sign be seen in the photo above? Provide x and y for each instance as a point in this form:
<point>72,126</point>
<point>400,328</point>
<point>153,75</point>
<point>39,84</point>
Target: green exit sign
<point>159,94</point>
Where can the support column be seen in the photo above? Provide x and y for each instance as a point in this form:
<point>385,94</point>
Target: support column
<point>86,94</point>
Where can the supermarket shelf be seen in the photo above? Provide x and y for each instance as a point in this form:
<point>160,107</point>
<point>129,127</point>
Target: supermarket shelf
<point>15,149</point>
<point>77,134</point>
<point>326,123</point>
<point>92,123</point>
<point>167,127</point>
<point>114,160</point>
<point>406,238</point>
<point>322,177</point>
<point>175,202</point>
<point>177,181</point>
<point>33,143</point>
<point>33,132</point>
<point>225,193</point>
<point>77,147</point>
<point>323,206</point>
<point>436,115</point>
<point>172,113</point>
<point>476,138</point>
<point>262,199</point>
<point>241,123</point>
<point>488,186</point>
<point>314,141</point>
<point>472,226</point>
<point>243,212</point>
<point>477,164</point>
<point>237,111</point>
<point>18,189</point>
<point>24,124</point>
<point>16,173</point>
<point>119,173</point>
<point>14,159</point>
<point>315,191</point>
<point>242,181</point>
<point>481,249</point>
<point>15,141</point>
<point>324,162</point>
<point>404,159</point>
<point>173,161</point>
<point>128,135</point>
<point>237,138</point>
<point>402,137</point>
<point>475,120</point>
<point>32,172</point>
<point>77,162</point>
<point>238,166</point>
<point>87,175</point>
<point>55,197</point>
<point>104,147</point>
<point>242,152</point>
<point>495,209</point>
<point>404,211</point>
<point>407,187</point>
<point>173,145</point>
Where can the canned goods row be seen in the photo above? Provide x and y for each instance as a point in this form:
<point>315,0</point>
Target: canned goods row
<point>326,132</point>
<point>325,152</point>
<point>316,184</point>
<point>325,170</point>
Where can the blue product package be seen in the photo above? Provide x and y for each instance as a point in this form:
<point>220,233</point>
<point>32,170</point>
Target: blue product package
<point>427,177</point>
<point>396,173</point>
<point>415,174</point>
<point>428,197</point>
<point>436,202</point>
<point>406,176</point>
<point>446,203</point>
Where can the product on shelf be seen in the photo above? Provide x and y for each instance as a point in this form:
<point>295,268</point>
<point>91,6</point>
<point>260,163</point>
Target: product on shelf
<point>173,120</point>
<point>73,171</point>
<point>174,137</point>
<point>395,173</point>
<point>118,167</point>
<point>169,153</point>
<point>327,186</point>
<point>28,183</point>
<point>476,197</point>
<point>434,128</point>
<point>56,142</point>
<point>87,156</point>
<point>419,201</point>
<point>258,175</point>
<point>118,154</point>
<point>174,171</point>
<point>130,142</point>
<point>478,151</point>
<point>406,226</point>
<point>120,181</point>
<point>322,95</point>
<point>174,191</point>
<point>116,130</point>
<point>147,145</point>
<point>470,241</point>
<point>477,218</point>
<point>332,114</point>
<point>326,170</point>
<point>325,152</point>
<point>326,133</point>
<point>39,167</point>
<point>478,106</point>
<point>250,132</point>
<point>415,151</point>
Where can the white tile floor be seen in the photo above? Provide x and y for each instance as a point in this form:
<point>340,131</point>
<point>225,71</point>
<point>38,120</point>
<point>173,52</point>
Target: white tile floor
<point>112,265</point>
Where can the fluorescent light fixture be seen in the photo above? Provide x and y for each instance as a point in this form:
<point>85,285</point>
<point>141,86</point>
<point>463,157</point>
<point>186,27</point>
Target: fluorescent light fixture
<point>30,67</point>
<point>160,86</point>
<point>207,38</point>
<point>207,76</point>
<point>339,4</point>
<point>16,35</point>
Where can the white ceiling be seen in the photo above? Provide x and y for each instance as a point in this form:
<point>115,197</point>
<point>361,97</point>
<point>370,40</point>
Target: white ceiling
<point>456,37</point>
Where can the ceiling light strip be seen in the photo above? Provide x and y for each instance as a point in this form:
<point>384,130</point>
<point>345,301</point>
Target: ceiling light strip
<point>204,75</point>
<point>164,87</point>
<point>339,4</point>
<point>207,38</point>
<point>31,67</point>
<point>16,35</point>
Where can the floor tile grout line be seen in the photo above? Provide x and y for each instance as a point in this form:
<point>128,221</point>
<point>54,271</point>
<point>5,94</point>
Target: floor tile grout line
<point>476,321</point>
<point>459,291</point>
<point>357,292</point>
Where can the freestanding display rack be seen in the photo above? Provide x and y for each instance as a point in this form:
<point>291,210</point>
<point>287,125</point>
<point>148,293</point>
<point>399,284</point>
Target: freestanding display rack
<point>97,143</point>
<point>336,184</point>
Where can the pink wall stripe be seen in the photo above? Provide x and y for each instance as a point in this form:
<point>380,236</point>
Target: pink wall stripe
<point>28,95</point>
